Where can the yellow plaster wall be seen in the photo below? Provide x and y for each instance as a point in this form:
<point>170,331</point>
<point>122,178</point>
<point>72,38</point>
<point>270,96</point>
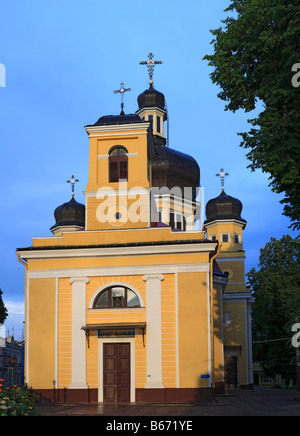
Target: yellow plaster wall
<point>235,335</point>
<point>227,227</point>
<point>218,339</point>
<point>64,334</point>
<point>168,321</point>
<point>193,335</point>
<point>41,333</point>
<point>101,212</point>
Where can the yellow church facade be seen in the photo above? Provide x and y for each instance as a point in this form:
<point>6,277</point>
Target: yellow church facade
<point>127,302</point>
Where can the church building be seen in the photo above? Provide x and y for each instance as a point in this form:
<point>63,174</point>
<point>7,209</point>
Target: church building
<point>127,301</point>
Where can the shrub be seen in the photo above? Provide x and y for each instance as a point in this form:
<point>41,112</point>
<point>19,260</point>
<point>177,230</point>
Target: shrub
<point>16,401</point>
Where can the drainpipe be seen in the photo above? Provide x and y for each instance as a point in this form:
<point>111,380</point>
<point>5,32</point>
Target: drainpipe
<point>22,261</point>
<point>212,320</point>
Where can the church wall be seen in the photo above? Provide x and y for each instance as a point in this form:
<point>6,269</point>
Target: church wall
<point>40,330</point>
<point>94,316</point>
<point>100,143</point>
<point>135,212</point>
<point>218,336</point>
<point>193,337</point>
<point>64,334</point>
<point>236,270</point>
<point>169,331</point>
<point>235,335</point>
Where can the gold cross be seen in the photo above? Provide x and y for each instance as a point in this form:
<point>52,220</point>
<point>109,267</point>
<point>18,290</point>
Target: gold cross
<point>222,176</point>
<point>150,65</point>
<point>73,181</point>
<point>121,91</point>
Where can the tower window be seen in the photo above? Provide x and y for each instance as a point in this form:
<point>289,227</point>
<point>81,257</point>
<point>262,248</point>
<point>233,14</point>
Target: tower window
<point>237,239</point>
<point>118,164</point>
<point>150,119</point>
<point>225,237</point>
<point>158,124</point>
<point>227,319</point>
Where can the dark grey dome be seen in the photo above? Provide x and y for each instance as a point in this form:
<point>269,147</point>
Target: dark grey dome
<point>224,207</point>
<point>151,98</point>
<point>171,168</point>
<point>71,213</point>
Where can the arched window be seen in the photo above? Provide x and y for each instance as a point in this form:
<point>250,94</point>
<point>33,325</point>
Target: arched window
<point>116,296</point>
<point>118,164</point>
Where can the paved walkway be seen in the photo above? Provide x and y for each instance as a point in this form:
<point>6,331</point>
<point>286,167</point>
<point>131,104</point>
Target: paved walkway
<point>263,401</point>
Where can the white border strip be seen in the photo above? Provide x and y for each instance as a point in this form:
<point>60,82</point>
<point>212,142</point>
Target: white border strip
<point>118,270</point>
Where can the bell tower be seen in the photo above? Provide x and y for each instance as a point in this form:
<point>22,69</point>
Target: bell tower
<point>225,224</point>
<point>152,104</point>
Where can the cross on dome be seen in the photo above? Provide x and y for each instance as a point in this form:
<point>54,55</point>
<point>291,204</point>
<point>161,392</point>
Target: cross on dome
<point>121,91</point>
<point>150,65</point>
<point>222,176</point>
<point>73,181</point>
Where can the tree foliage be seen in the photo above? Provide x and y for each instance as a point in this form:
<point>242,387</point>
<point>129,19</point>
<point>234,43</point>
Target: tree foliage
<point>3,310</point>
<point>276,288</point>
<point>254,54</point>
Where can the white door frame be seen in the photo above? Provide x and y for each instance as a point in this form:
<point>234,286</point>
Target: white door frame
<point>102,341</point>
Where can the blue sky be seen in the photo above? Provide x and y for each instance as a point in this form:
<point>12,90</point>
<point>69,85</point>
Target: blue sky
<point>63,59</point>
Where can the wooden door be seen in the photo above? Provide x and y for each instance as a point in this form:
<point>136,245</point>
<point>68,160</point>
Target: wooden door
<point>231,372</point>
<point>116,372</point>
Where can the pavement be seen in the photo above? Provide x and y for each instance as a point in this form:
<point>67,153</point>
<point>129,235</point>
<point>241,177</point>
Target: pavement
<point>262,401</point>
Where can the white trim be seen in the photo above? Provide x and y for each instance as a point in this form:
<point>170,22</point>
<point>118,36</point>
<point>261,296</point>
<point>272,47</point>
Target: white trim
<point>118,270</point>
<point>78,370</point>
<point>154,331</point>
<point>73,228</point>
<point>117,283</point>
<point>101,341</point>
<point>145,250</point>
<point>134,135</point>
<point>225,221</point>
<point>117,128</point>
<point>111,192</point>
<point>238,296</point>
<point>106,156</point>
<point>230,259</point>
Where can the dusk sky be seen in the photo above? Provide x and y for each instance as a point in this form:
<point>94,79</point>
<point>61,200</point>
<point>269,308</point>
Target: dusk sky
<point>63,60</point>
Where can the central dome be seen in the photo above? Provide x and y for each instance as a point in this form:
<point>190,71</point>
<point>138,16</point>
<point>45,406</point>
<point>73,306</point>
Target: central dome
<point>171,168</point>
<point>151,98</point>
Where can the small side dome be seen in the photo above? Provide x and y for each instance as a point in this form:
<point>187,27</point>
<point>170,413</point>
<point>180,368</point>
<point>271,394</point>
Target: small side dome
<point>69,215</point>
<point>224,207</point>
<point>151,98</point>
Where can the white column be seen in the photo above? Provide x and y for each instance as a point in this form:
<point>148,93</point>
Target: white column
<point>78,335</point>
<point>154,332</point>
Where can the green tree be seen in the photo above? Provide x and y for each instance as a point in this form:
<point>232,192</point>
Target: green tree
<point>254,54</point>
<point>276,288</point>
<point>3,311</point>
